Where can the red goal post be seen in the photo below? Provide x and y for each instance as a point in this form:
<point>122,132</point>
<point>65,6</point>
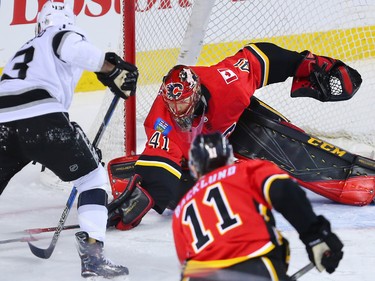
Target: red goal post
<point>130,56</point>
<point>203,32</point>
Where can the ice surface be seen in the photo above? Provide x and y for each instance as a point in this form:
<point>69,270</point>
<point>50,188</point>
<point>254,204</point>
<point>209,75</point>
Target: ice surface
<point>148,250</point>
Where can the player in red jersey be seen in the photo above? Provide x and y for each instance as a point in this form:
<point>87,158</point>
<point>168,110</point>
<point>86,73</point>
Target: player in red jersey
<point>224,229</point>
<point>195,99</point>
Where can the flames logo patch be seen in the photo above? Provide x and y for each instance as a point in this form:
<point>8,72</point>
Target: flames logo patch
<point>174,91</point>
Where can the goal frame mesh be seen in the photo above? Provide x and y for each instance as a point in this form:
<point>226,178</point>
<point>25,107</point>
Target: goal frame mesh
<point>327,41</point>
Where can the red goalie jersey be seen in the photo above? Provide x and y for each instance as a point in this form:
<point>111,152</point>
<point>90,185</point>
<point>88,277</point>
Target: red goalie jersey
<point>229,86</point>
<point>225,218</point>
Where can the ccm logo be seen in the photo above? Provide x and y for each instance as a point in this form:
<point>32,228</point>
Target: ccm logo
<point>326,146</point>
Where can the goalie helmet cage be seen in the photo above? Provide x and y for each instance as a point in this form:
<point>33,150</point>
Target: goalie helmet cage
<point>203,32</point>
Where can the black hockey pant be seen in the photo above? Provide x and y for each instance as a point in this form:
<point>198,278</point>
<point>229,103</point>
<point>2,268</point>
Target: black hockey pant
<point>51,140</point>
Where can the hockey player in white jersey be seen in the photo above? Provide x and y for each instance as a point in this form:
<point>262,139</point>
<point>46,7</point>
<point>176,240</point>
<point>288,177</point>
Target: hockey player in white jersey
<point>36,91</point>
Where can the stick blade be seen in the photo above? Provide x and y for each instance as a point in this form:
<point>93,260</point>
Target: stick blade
<point>41,253</point>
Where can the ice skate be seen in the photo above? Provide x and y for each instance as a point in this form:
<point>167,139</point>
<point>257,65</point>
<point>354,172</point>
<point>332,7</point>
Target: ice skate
<point>93,261</point>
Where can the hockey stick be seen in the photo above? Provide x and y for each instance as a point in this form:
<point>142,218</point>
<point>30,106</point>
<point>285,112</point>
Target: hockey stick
<point>302,271</point>
<point>20,239</point>
<point>107,117</point>
<point>46,253</point>
<point>49,229</point>
<point>33,231</point>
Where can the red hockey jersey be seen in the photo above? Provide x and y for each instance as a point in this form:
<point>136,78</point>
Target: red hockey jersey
<point>225,218</point>
<point>230,83</point>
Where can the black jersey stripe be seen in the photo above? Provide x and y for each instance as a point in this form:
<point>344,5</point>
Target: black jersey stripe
<point>17,99</point>
<point>58,40</point>
<point>263,60</point>
<point>160,162</point>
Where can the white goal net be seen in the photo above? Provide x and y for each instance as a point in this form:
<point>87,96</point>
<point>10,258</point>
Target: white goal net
<point>205,31</point>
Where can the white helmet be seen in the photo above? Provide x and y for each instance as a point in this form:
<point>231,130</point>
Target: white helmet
<point>54,13</point>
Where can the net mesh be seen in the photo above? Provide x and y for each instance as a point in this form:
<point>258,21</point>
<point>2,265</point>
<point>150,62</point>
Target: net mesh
<point>344,29</point>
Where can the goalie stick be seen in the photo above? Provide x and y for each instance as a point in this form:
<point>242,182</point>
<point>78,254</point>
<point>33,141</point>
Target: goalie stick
<point>46,253</point>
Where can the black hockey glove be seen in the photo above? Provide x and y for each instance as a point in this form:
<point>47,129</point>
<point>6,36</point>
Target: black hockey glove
<point>323,247</point>
<point>122,80</point>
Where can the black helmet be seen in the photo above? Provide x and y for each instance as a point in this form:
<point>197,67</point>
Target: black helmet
<point>208,152</point>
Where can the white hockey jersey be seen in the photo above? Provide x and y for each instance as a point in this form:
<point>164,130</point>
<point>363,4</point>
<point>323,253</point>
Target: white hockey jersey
<point>42,75</point>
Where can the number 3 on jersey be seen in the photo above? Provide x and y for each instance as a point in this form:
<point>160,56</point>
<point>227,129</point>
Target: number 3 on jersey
<point>158,140</point>
<point>22,66</point>
<point>216,199</point>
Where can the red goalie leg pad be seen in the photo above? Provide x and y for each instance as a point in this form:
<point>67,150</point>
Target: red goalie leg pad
<point>359,191</point>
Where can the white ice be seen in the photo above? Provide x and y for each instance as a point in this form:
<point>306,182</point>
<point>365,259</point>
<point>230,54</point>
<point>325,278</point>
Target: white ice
<point>148,250</point>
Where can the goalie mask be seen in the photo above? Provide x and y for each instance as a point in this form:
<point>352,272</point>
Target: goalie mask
<point>54,13</point>
<point>208,152</point>
<point>181,92</point>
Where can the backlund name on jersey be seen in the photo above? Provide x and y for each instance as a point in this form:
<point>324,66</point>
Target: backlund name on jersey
<point>204,182</point>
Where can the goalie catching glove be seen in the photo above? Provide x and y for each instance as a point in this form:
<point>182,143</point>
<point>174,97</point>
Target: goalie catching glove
<point>127,210</point>
<point>323,247</point>
<point>325,79</point>
<point>122,80</point>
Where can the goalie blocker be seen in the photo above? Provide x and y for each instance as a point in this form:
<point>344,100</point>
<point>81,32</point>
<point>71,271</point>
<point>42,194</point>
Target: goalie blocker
<point>131,202</point>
